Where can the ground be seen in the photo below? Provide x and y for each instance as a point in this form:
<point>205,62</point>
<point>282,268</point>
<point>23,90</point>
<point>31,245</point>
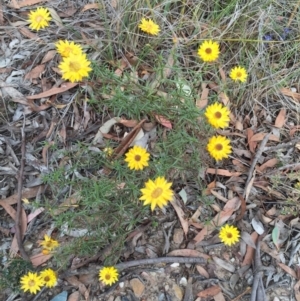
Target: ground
<point>64,141</point>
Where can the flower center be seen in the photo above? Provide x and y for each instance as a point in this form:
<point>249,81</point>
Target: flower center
<point>219,147</point>
<point>31,283</point>
<point>157,192</point>
<point>218,115</point>
<point>39,19</point>
<point>48,244</point>
<point>229,235</point>
<point>137,157</point>
<point>47,278</point>
<point>208,50</point>
<point>74,66</point>
<point>239,74</point>
<point>107,277</point>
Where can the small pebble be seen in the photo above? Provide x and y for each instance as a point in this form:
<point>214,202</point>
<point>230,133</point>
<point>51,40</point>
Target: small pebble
<point>183,281</point>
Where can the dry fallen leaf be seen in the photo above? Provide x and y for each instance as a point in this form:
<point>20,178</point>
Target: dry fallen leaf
<point>287,269</point>
<point>188,253</point>
<point>280,119</point>
<point>250,251</point>
<point>231,206</point>
<point>39,259</point>
<point>35,72</point>
<point>222,172</point>
<point>288,92</point>
<point>55,90</point>
<point>203,101</point>
<point>90,6</point>
<point>48,56</point>
<point>269,164</point>
<point>260,136</point>
<point>29,2</point>
<point>209,292</point>
<point>184,222</point>
<point>163,121</point>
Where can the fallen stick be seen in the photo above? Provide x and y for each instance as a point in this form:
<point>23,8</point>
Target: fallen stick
<point>19,202</point>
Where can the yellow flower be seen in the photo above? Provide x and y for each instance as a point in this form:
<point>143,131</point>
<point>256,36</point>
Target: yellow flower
<point>137,158</point>
<point>39,18</point>
<point>108,275</point>
<point>75,67</point>
<point>108,151</point>
<point>217,115</point>
<point>48,244</point>
<point>31,282</point>
<point>297,186</point>
<point>157,193</point>
<point>209,51</point>
<point>219,147</point>
<point>65,48</point>
<point>238,74</point>
<point>229,235</point>
<point>149,26</point>
<point>49,277</point>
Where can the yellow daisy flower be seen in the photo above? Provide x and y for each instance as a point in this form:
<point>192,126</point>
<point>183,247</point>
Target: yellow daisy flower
<point>65,48</point>
<point>217,115</point>
<point>75,67</point>
<point>137,158</point>
<point>229,235</point>
<point>49,277</point>
<point>108,275</point>
<point>39,18</point>
<point>149,26</point>
<point>219,147</point>
<point>209,51</point>
<point>238,74</point>
<point>48,244</point>
<point>157,193</point>
<point>31,282</point>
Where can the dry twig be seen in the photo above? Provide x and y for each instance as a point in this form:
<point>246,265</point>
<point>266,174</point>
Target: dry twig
<point>19,203</point>
<point>129,264</point>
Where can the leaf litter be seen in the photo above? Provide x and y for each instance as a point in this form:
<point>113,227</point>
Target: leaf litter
<point>33,92</point>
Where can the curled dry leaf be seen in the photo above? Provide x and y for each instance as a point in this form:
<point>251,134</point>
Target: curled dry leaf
<point>163,121</point>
